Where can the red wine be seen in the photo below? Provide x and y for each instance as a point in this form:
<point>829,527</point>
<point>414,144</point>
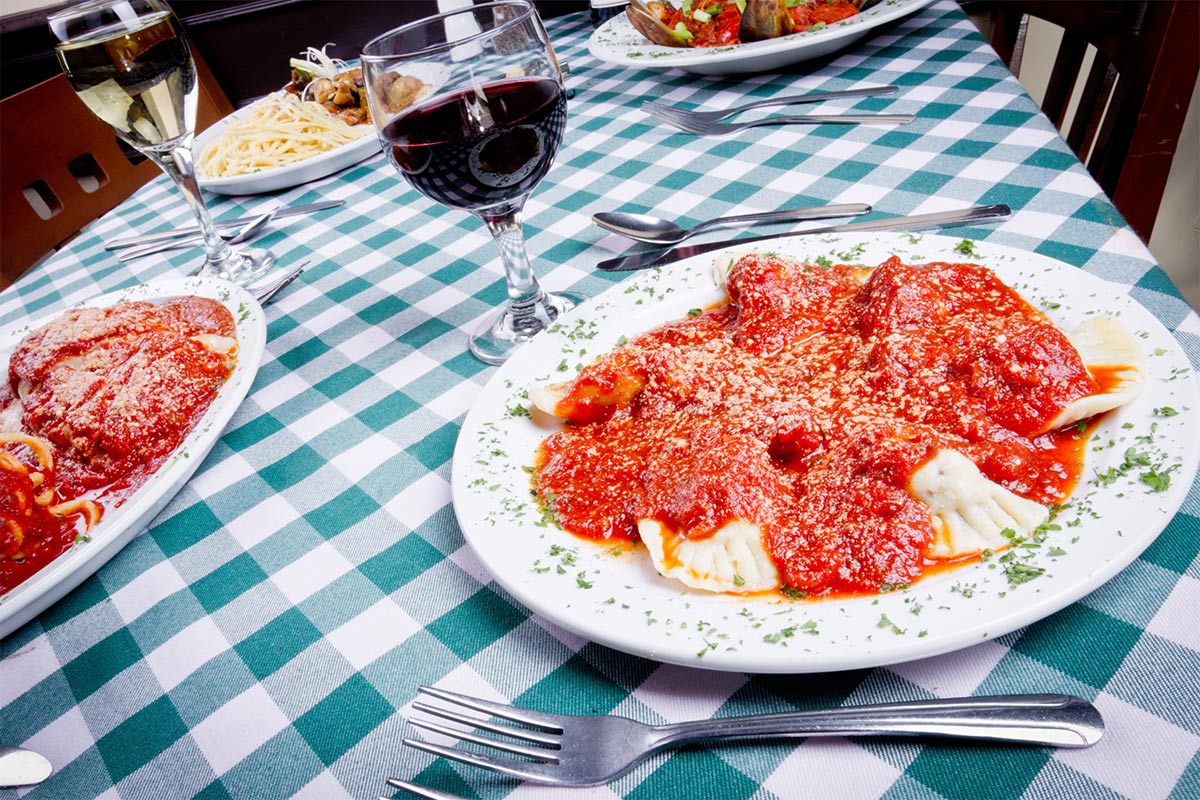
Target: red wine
<point>473,150</point>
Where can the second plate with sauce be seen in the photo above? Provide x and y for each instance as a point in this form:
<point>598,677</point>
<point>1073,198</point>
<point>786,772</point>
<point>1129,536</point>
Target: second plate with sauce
<point>613,596</point>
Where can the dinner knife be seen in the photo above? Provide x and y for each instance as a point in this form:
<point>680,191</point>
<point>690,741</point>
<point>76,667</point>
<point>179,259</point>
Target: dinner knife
<point>192,230</point>
<point>939,219</point>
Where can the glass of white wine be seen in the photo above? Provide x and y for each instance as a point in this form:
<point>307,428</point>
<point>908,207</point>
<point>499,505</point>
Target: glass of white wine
<point>130,64</point>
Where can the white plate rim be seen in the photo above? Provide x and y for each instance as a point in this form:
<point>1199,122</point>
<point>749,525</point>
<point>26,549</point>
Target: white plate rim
<point>618,42</point>
<point>121,525</point>
<point>289,175</point>
<point>493,456</point>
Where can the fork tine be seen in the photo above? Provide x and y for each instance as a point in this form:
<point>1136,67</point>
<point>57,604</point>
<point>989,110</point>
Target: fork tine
<point>518,769</point>
<point>682,123</point>
<point>548,722</point>
<point>662,109</point>
<point>522,734</point>
<point>535,753</point>
<point>420,791</point>
<point>664,112</point>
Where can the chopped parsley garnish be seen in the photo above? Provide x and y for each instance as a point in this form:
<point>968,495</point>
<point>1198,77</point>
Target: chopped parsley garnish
<point>1019,572</point>
<point>967,248</point>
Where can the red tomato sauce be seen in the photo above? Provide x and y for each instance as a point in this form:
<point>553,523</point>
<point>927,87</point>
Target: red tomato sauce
<point>721,28</point>
<point>805,403</point>
<point>112,392</point>
<point>32,535</point>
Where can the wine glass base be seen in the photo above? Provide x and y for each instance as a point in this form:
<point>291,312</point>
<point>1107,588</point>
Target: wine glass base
<point>242,267</point>
<point>497,340</point>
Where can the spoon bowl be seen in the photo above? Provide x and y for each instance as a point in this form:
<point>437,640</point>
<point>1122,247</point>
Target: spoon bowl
<point>655,230</point>
<point>21,767</point>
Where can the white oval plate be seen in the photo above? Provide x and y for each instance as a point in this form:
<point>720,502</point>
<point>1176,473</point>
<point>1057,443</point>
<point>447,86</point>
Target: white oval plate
<point>285,177</point>
<point>620,601</point>
<point>618,42</point>
<point>120,525</point>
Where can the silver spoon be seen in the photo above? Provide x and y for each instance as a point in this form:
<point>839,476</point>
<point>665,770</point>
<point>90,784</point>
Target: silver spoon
<point>655,230</point>
<point>242,234</point>
<point>21,767</point>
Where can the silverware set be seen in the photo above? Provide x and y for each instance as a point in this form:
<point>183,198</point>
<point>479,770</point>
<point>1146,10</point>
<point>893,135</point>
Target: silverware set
<point>656,230</point>
<point>706,123</point>
<point>229,229</point>
<point>243,234</point>
<point>914,222</point>
<point>569,750</point>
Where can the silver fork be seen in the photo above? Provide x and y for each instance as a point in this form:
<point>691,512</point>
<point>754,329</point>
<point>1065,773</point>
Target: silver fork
<point>700,128</point>
<point>586,751</point>
<point>664,111</point>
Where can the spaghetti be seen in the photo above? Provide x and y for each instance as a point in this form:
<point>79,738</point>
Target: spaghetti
<point>280,129</point>
<point>36,524</point>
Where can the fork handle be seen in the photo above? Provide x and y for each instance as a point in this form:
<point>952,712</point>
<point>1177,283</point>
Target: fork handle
<point>812,97</point>
<point>1053,720</point>
<point>829,119</point>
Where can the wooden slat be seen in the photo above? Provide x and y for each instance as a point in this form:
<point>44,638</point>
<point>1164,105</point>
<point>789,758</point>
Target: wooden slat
<point>45,128</point>
<point>1143,74</point>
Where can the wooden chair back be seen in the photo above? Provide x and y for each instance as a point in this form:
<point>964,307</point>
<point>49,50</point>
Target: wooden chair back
<point>55,150</point>
<point>1134,97</point>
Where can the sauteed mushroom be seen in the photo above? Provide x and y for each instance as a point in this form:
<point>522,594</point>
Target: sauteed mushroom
<point>765,19</point>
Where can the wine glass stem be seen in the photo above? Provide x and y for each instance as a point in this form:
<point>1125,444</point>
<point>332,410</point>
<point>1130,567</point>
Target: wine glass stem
<point>177,163</point>
<point>524,292</point>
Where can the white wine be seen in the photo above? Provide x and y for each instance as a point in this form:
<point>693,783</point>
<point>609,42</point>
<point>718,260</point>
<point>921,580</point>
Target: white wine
<point>140,79</point>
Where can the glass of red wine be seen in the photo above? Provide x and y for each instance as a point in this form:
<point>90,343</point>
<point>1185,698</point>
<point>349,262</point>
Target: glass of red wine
<point>470,108</point>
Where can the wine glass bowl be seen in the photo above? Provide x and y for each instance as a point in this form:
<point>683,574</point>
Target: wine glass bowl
<point>130,63</point>
<point>470,108</point>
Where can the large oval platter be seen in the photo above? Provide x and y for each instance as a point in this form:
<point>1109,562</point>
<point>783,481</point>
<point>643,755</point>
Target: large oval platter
<point>618,42</point>
<point>120,525</point>
<point>614,596</point>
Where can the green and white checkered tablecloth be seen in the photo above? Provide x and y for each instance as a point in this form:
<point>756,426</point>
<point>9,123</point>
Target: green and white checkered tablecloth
<point>265,636</point>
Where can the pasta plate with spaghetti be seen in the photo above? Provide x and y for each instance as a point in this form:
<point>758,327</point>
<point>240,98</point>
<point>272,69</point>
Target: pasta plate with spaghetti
<point>318,124</point>
<point>279,130</point>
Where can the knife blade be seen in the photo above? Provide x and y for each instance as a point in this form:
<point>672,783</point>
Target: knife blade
<point>193,230</point>
<point>939,219</point>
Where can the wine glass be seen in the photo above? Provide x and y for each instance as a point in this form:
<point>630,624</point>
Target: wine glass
<point>470,107</point>
<point>130,64</point>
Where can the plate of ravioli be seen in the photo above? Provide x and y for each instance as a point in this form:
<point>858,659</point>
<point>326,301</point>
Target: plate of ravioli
<point>840,453</point>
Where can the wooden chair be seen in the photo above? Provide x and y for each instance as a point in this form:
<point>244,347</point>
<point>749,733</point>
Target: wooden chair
<point>1135,96</point>
<point>58,159</point>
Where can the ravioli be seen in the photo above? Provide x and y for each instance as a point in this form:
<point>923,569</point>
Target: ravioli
<point>970,513</point>
<point>1105,346</point>
<point>731,560</point>
<point>883,420</point>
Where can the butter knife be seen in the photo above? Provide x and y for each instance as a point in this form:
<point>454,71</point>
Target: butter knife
<point>194,230</point>
<point>939,219</point>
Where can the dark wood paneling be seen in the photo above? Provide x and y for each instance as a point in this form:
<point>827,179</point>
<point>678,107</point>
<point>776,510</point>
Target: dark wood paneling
<point>247,43</point>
